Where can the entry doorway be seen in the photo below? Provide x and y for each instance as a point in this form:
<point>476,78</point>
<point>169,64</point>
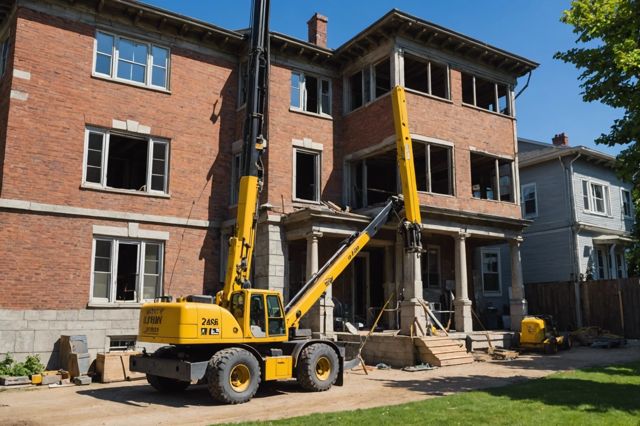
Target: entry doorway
<point>360,289</point>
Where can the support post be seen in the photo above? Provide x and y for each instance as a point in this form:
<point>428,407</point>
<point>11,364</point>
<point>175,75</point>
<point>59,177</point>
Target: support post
<point>462,303</point>
<point>518,303</point>
<point>410,308</point>
<point>320,317</point>
<point>389,286</point>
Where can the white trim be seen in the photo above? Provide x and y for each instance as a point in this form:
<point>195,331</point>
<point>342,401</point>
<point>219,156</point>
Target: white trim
<point>318,174</point>
<point>130,231</point>
<point>484,251</point>
<point>302,96</point>
<point>523,201</point>
<point>622,202</point>
<point>23,75</point>
<point>606,193</point>
<point>307,143</point>
<point>56,209</point>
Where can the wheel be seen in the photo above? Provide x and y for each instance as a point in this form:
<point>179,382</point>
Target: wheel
<point>567,343</point>
<point>165,384</point>
<point>233,376</point>
<point>551,347</point>
<point>317,367</point>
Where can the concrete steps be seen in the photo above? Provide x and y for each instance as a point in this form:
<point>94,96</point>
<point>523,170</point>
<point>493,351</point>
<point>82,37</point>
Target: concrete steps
<point>442,351</point>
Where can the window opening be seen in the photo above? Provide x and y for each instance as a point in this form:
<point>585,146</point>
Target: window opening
<point>486,94</point>
<point>122,343</point>
<point>381,178</point>
<point>383,77</point>
<point>127,163</point>
<point>529,202</point>
<point>257,316</point>
<point>431,268</point>
<point>626,203</point>
<point>355,87</point>
<point>276,319</point>
<point>426,76</point>
<point>506,180</point>
<point>483,177</point>
<point>127,272</point>
<point>307,179</point>
<point>491,271</point>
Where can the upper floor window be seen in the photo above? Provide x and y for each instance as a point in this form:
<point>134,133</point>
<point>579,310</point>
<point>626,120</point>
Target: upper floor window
<point>486,94</point>
<point>491,178</point>
<point>126,270</point>
<point>426,76</point>
<point>626,202</point>
<point>5,47</point>
<point>306,185</point>
<point>491,271</point>
<point>133,61</point>
<point>120,161</point>
<point>310,93</point>
<point>529,200</point>
<point>595,197</point>
<point>369,83</point>
<point>434,167</point>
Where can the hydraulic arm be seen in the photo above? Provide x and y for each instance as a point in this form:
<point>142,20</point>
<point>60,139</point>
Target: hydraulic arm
<point>241,244</point>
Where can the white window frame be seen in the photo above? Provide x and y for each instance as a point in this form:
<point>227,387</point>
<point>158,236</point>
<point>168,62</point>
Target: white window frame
<point>106,136</point>
<point>606,192</point>
<point>428,63</point>
<point>115,242</point>
<point>302,78</point>
<point>622,203</point>
<point>484,251</point>
<point>318,174</point>
<point>496,97</point>
<point>115,56</point>
<point>523,188</point>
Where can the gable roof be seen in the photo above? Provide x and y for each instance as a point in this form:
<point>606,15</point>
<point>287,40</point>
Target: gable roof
<point>543,152</point>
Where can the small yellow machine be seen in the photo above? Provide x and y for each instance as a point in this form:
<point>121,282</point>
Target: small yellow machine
<point>247,335</point>
<point>539,333</point>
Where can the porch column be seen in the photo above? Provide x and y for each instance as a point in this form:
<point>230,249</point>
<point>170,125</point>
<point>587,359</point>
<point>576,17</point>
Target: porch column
<point>410,309</point>
<point>320,317</point>
<point>518,304</point>
<point>462,303</point>
<point>389,286</point>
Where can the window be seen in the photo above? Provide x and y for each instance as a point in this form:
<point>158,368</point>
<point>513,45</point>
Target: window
<point>529,200</point>
<point>491,271</point>
<point>236,173</point>
<point>426,76</point>
<point>486,94</point>
<point>5,48</point>
<point>126,270</point>
<point>596,197</point>
<point>626,202</point>
<point>120,161</point>
<point>276,318</point>
<point>431,267</point>
<point>602,261</point>
<point>434,167</point>
<point>621,265</point>
<point>369,83</point>
<point>373,179</point>
<point>122,343</point>
<point>307,175</point>
<point>257,316</point>
<point>491,178</point>
<point>310,93</point>
<point>129,60</point>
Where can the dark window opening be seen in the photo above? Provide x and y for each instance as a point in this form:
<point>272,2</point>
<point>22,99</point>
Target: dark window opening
<point>122,343</point>
<point>485,94</point>
<point>357,188</point>
<point>127,163</point>
<point>306,176</point>
<point>127,274</point>
<point>440,170</point>
<point>355,86</point>
<point>381,178</point>
<point>506,180</point>
<point>483,177</point>
<point>503,99</point>
<point>311,85</point>
<point>431,268</point>
<point>416,74</point>
<point>467,89</point>
<point>439,81</point>
<point>383,77</point>
<point>420,165</point>
<point>326,96</point>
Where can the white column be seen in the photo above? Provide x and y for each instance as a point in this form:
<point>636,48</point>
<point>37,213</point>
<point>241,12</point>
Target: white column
<point>410,308</point>
<point>320,317</point>
<point>518,303</point>
<point>461,302</point>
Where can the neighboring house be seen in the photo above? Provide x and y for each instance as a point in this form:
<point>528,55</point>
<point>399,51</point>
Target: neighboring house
<point>120,148</point>
<point>582,213</point>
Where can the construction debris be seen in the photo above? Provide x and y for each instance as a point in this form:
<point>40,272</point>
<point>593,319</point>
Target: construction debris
<point>419,367</point>
<point>597,337</point>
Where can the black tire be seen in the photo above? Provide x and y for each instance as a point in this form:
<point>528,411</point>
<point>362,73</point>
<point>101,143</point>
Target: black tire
<point>165,384</point>
<point>233,376</point>
<point>567,343</point>
<point>551,347</point>
<point>318,367</point>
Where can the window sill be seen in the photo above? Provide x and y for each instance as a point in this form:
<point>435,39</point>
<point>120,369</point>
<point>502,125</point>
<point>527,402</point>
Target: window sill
<point>123,191</point>
<point>491,294</point>
<point>592,213</point>
<point>437,194</point>
<point>311,114</point>
<point>494,201</point>
<point>115,305</point>
<point>427,95</point>
<point>130,83</point>
<point>304,203</point>
<point>497,114</point>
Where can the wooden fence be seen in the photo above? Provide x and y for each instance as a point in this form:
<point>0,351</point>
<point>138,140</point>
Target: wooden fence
<point>613,305</point>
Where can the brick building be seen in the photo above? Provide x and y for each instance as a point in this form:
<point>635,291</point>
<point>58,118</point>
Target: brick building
<point>119,153</point>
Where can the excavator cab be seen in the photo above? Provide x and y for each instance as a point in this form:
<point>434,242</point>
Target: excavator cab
<point>259,313</point>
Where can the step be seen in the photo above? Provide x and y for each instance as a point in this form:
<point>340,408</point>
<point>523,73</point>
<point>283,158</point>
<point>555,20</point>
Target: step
<point>455,361</point>
<point>438,343</point>
<point>443,349</point>
<point>456,355</point>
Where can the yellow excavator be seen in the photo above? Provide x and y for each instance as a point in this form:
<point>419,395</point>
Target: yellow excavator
<point>247,335</point>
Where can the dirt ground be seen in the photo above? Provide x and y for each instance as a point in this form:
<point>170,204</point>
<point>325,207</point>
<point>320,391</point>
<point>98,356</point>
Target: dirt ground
<point>137,403</point>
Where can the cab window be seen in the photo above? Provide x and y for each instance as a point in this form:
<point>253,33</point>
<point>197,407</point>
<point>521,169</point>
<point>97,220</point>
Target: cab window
<point>237,307</point>
<point>257,316</point>
<point>276,320</point>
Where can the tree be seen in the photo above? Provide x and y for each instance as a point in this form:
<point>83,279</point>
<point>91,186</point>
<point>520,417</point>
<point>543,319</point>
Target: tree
<point>609,58</point>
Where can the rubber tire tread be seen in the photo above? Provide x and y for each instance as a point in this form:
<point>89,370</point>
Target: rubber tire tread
<point>306,371</point>
<point>220,366</point>
<point>165,384</point>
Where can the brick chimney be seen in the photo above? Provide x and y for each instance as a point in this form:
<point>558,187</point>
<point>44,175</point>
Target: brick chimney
<point>560,140</point>
<point>318,30</point>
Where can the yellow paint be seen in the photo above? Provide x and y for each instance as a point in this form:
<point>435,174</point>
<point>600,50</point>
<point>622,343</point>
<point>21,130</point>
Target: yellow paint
<point>240,378</point>
<point>278,367</point>
<point>323,368</point>
<point>405,155</point>
<point>532,331</point>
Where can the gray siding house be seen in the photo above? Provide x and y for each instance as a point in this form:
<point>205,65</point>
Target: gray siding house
<point>581,213</point>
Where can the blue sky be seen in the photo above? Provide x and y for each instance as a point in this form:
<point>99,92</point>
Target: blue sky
<point>531,28</point>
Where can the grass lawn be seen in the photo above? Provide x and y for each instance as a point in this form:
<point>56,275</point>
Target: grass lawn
<point>605,395</point>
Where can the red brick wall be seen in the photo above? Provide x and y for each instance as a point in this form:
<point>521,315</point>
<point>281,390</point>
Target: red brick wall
<point>45,144</point>
<point>5,91</point>
<point>50,267</point>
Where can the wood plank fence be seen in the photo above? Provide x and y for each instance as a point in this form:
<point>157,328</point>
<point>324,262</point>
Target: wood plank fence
<point>613,305</point>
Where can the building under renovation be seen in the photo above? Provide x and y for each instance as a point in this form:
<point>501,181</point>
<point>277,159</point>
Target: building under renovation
<point>120,148</point>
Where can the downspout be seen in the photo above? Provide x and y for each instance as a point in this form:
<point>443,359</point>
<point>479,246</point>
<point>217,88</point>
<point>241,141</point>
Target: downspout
<point>574,236</point>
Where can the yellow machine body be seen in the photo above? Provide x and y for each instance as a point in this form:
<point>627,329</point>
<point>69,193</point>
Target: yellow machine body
<point>255,316</point>
<point>538,334</point>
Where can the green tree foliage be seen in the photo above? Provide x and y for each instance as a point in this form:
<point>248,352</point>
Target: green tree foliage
<point>609,58</point>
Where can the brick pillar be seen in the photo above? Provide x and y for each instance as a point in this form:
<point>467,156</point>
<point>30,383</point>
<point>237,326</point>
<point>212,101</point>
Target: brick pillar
<point>518,304</point>
<point>462,303</point>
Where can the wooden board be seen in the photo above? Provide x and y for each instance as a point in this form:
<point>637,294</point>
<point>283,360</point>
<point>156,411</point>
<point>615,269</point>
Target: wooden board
<point>114,367</point>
